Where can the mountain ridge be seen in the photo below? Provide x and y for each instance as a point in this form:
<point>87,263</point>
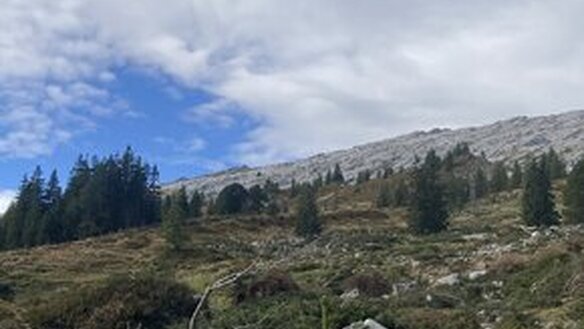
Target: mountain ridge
<point>504,140</point>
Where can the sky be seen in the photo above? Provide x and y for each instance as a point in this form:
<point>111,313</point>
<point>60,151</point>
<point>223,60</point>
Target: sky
<point>197,86</point>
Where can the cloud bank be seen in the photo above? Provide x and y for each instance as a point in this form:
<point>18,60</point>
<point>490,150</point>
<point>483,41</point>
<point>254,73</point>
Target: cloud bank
<point>317,75</point>
<point>6,198</point>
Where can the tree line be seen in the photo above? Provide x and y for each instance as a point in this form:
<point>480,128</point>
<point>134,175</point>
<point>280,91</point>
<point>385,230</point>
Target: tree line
<point>102,195</point>
<point>432,197</point>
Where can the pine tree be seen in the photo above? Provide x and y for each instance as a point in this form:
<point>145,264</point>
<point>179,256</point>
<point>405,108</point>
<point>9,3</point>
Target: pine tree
<point>232,199</point>
<point>181,200</point>
<point>457,191</point>
<point>556,166</point>
<point>257,199</point>
<point>173,226</point>
<point>383,199</point>
<point>328,177</point>
<point>318,182</point>
<point>337,175</point>
<point>308,222</point>
<point>574,194</point>
<point>516,176</point>
<point>32,203</point>
<point>538,207</point>
<point>401,195</point>
<point>196,204</point>
<point>480,184</point>
<point>363,176</point>
<point>52,220</point>
<point>500,179</point>
<point>429,210</point>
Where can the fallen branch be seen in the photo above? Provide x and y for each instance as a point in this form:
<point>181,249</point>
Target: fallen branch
<point>225,281</point>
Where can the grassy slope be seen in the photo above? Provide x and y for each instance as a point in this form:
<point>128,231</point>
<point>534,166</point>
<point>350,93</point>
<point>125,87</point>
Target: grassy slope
<point>528,277</point>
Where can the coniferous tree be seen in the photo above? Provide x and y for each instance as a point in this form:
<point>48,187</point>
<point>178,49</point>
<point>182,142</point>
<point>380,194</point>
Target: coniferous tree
<point>52,219</point>
<point>383,199</point>
<point>181,200</point>
<point>556,166</point>
<point>318,182</point>
<point>538,207</point>
<point>294,188</point>
<point>232,199</point>
<point>500,179</point>
<point>328,177</point>
<point>574,194</point>
<point>429,212</point>
<point>481,184</point>
<point>516,176</point>
<point>173,224</point>
<point>257,199</point>
<point>196,204</point>
<point>337,175</point>
<point>457,191</point>
<point>363,176</point>
<point>32,200</point>
<point>308,222</point>
<point>401,195</point>
<point>388,172</point>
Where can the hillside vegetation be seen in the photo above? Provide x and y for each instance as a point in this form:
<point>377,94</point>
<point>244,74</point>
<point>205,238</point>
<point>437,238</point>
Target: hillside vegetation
<point>487,270</point>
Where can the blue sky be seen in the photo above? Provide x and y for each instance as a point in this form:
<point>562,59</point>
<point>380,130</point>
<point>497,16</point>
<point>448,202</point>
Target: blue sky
<point>196,85</point>
<point>156,126</point>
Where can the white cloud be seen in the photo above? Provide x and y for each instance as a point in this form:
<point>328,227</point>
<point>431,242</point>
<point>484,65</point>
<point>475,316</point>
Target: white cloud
<point>315,74</point>
<point>6,198</point>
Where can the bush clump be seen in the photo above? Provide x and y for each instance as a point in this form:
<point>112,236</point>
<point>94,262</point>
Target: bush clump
<point>371,284</point>
<point>270,284</point>
<point>121,302</point>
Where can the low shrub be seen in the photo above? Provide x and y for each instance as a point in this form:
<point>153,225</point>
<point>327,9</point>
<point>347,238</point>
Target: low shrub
<point>371,284</point>
<point>269,284</point>
<point>119,303</point>
<point>6,291</point>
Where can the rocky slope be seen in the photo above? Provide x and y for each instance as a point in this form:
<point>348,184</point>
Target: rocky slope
<point>507,140</point>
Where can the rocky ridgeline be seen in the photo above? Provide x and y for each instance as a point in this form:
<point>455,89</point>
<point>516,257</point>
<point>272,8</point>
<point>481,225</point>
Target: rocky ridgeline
<point>508,140</point>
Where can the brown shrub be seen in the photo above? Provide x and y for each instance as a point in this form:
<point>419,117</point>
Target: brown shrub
<point>371,284</point>
<point>121,302</point>
<point>270,284</point>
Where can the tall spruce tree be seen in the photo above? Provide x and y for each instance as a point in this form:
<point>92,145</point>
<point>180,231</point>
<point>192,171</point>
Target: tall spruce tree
<point>383,198</point>
<point>500,179</point>
<point>337,175</point>
<point>52,218</point>
<point>308,222</point>
<point>481,184</point>
<point>516,176</point>
<point>173,225</point>
<point>196,204</point>
<point>429,212</point>
<point>574,194</point>
<point>538,206</point>
<point>257,199</point>
<point>556,166</point>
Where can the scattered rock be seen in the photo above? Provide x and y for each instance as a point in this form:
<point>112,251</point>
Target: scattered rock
<point>476,274</point>
<point>403,287</point>
<point>448,280</point>
<point>352,294</point>
<point>367,324</point>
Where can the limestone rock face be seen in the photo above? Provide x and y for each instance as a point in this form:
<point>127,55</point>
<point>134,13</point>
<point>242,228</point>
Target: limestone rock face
<point>507,141</point>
